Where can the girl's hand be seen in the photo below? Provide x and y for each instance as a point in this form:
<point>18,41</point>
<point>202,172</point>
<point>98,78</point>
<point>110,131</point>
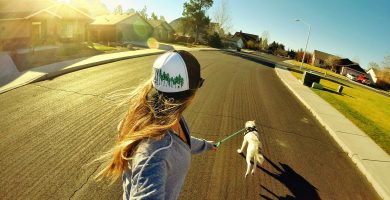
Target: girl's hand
<point>214,148</point>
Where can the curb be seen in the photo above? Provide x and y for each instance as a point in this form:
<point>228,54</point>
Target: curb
<point>354,157</point>
<point>85,66</point>
<point>88,65</point>
<point>76,68</point>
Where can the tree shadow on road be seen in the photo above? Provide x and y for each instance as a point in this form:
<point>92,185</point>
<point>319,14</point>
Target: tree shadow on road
<point>252,58</point>
<point>299,187</point>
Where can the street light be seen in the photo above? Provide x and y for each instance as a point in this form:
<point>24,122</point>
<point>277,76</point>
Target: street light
<point>307,41</point>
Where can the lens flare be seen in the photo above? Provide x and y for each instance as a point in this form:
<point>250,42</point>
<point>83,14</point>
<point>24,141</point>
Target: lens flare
<point>140,29</point>
<point>153,43</point>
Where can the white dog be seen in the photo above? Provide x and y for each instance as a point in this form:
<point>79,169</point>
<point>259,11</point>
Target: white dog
<point>251,138</point>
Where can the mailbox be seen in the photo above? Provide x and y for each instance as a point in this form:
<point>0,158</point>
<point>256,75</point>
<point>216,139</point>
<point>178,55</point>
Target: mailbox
<point>309,78</point>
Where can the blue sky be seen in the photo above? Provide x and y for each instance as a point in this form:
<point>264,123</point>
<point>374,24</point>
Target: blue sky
<point>358,29</point>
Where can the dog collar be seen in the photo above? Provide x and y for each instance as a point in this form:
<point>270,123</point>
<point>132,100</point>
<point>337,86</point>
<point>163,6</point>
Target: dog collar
<point>250,129</point>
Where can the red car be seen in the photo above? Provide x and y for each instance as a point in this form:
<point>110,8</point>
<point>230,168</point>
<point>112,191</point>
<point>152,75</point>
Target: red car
<point>363,79</point>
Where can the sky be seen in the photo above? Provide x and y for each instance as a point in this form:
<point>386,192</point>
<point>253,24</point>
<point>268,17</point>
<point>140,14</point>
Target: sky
<point>355,29</point>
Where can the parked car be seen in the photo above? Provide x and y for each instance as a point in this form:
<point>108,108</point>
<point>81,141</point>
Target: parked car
<point>363,79</point>
<point>351,76</point>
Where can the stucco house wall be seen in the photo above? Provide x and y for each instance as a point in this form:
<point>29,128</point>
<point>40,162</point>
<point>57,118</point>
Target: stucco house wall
<point>372,75</point>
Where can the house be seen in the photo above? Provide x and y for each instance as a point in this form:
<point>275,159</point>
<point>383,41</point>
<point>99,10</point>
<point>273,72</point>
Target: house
<point>120,28</point>
<point>249,40</point>
<point>176,24</point>
<point>341,65</point>
<point>319,58</point>
<point>162,31</point>
<point>179,28</point>
<point>372,74</point>
<point>232,42</point>
<point>40,23</point>
<point>344,65</point>
<point>347,70</point>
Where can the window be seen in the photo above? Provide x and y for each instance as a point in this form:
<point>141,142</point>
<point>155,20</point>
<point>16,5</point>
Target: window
<point>321,62</point>
<point>67,30</point>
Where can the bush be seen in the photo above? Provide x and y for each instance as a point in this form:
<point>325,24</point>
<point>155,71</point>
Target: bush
<point>183,39</point>
<point>308,57</point>
<point>280,52</point>
<point>383,81</point>
<point>251,45</point>
<point>214,40</point>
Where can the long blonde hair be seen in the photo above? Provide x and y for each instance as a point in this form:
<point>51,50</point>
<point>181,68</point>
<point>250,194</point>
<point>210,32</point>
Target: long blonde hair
<point>150,115</point>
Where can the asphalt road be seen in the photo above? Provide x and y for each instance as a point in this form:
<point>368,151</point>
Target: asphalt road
<point>50,131</point>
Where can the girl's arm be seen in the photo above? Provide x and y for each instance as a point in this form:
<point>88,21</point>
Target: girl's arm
<point>200,145</point>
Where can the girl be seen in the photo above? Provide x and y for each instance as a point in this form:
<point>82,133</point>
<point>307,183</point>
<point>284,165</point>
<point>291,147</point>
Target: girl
<point>154,146</point>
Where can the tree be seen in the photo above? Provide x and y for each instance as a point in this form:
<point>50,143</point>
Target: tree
<point>130,11</point>
<point>273,46</point>
<point>331,61</point>
<point>154,16</point>
<point>143,13</point>
<point>386,62</point>
<point>373,65</point>
<point>118,10</point>
<point>162,18</point>
<point>195,13</point>
<point>264,40</point>
<point>222,16</point>
<point>291,53</point>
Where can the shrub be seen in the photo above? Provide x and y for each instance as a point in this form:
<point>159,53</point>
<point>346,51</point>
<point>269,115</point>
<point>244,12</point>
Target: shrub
<point>383,81</point>
<point>280,52</point>
<point>251,45</point>
<point>214,40</point>
<point>308,57</point>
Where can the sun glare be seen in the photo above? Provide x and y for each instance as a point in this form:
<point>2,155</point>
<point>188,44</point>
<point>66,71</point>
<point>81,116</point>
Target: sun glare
<point>152,43</point>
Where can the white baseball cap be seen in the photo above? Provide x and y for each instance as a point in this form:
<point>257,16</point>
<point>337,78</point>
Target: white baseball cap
<point>176,71</point>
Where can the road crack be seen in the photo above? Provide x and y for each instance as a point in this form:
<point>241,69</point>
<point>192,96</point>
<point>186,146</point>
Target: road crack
<point>74,92</point>
<point>85,182</point>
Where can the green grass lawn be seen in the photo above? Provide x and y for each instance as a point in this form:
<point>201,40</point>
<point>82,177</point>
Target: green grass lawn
<point>296,63</point>
<point>368,110</point>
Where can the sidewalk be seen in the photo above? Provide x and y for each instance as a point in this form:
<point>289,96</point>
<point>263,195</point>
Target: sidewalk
<point>57,69</point>
<point>371,160</point>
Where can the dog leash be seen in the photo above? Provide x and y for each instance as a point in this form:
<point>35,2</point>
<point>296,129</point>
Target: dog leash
<point>227,138</point>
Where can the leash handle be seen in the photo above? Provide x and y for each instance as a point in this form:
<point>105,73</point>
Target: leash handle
<point>227,138</point>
